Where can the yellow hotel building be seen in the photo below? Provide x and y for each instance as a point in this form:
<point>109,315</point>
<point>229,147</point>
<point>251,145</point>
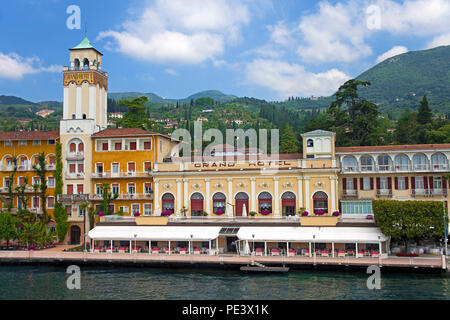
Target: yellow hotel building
<point>210,203</point>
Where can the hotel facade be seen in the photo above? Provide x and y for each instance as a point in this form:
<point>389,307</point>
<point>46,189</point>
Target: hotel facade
<point>233,198</point>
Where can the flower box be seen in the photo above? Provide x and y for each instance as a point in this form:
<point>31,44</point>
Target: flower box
<point>336,214</point>
<point>219,212</point>
<point>166,213</point>
<point>305,213</point>
<point>101,214</point>
<point>137,214</point>
<point>265,212</point>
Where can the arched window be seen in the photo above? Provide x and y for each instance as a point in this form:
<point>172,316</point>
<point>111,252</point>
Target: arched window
<point>80,147</point>
<point>73,147</point>
<point>85,64</point>
<point>288,203</point>
<point>401,162</point>
<point>320,200</point>
<point>76,64</point>
<point>366,163</point>
<point>420,162</point>
<point>384,163</point>
<point>168,202</point>
<point>349,163</point>
<point>310,143</point>
<point>219,203</point>
<point>265,202</point>
<point>439,161</point>
<point>197,204</point>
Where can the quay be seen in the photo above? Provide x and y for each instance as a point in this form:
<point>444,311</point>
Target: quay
<point>46,257</point>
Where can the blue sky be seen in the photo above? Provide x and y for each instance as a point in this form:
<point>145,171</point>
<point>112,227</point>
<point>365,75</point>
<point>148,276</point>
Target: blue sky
<point>268,49</point>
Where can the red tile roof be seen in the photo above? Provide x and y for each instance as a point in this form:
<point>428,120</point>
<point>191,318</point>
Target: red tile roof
<point>394,148</point>
<point>286,156</point>
<point>29,135</point>
<point>124,132</point>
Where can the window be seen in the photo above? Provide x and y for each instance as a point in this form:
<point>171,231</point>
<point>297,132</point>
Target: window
<point>439,161</point>
<point>135,208</point>
<point>366,163</point>
<point>99,167</point>
<point>219,202</point>
<point>366,183</point>
<point>118,146</point>
<point>265,202</point>
<point>51,142</point>
<point>98,189</point>
<point>51,202</point>
<point>401,183</point>
<point>350,184</point>
<point>419,183</point>
<point>401,162</point>
<point>52,160</point>
<point>133,145</point>
<point>72,167</point>
<point>21,181</point>
<point>147,165</point>
<point>131,188</point>
<point>80,147</point>
<point>36,180</point>
<point>420,162</point>
<point>51,182</point>
<point>81,168</point>
<point>147,145</point>
<point>349,164</point>
<point>384,183</point>
<point>80,188</point>
<point>115,167</point>
<point>6,182</point>
<point>115,188</point>
<point>131,167</point>
<point>81,212</point>
<point>147,209</point>
<point>356,207</point>
<point>123,209</point>
<point>70,189</point>
<point>384,163</point>
<point>22,142</point>
<point>105,146</point>
<point>437,182</point>
<point>36,142</point>
<point>69,210</point>
<point>72,147</point>
<point>36,202</point>
<point>7,143</point>
<point>148,187</point>
<point>310,143</point>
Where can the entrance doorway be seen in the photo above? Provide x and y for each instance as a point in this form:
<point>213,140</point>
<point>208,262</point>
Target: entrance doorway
<point>241,200</point>
<point>231,244</point>
<point>75,234</point>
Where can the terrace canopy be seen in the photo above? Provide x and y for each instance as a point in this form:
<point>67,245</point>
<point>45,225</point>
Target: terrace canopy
<point>154,233</point>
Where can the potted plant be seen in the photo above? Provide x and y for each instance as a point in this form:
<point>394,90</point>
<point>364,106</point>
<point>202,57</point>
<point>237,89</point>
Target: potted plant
<point>369,217</point>
<point>166,213</point>
<point>137,214</point>
<point>300,211</point>
<point>219,212</point>
<point>252,213</point>
<point>319,212</point>
<point>101,214</point>
<point>265,212</point>
<point>204,213</point>
<point>305,213</point>
<point>336,214</point>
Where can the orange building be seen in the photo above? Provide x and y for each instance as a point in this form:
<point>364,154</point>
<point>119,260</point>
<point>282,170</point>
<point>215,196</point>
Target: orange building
<point>25,147</point>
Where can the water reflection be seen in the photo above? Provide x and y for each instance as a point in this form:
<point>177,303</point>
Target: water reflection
<point>21,282</point>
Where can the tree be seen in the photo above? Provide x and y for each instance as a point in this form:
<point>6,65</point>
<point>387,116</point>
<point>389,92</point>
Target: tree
<point>425,114</point>
<point>406,128</point>
<point>41,171</point>
<point>136,116</point>
<point>107,198</point>
<point>7,227</point>
<point>409,220</point>
<point>288,143</point>
<point>60,214</point>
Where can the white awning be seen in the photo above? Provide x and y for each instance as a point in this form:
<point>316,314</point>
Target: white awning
<point>155,233</point>
<point>305,234</point>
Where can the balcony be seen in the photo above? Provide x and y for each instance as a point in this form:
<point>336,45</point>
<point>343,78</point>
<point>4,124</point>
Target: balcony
<point>21,168</point>
<point>74,175</point>
<point>350,193</point>
<point>420,167</point>
<point>438,192</point>
<point>419,192</point>
<point>51,167</point>
<point>440,167</point>
<point>121,174</point>
<point>75,156</point>
<point>402,168</point>
<point>384,193</point>
<point>125,196</point>
<point>73,197</point>
<point>385,168</point>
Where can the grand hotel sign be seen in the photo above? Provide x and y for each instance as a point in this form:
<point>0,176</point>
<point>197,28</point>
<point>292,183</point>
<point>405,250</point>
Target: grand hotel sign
<point>259,164</point>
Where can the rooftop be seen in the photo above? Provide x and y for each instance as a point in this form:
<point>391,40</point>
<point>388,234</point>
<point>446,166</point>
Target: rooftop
<point>29,135</point>
<point>393,148</point>
<point>124,132</point>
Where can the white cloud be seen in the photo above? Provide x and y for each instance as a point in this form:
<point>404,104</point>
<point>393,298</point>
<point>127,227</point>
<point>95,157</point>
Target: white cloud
<point>336,33</point>
<point>391,53</point>
<point>13,66</point>
<point>171,72</point>
<point>181,32</point>
<point>292,79</point>
<point>442,40</point>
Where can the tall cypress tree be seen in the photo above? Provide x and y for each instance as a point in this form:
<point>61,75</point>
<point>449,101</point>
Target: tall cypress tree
<point>424,115</point>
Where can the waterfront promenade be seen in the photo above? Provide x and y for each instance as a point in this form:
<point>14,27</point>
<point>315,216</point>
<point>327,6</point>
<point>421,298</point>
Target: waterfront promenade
<point>221,261</point>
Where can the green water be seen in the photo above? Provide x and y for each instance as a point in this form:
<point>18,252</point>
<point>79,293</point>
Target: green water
<point>28,282</point>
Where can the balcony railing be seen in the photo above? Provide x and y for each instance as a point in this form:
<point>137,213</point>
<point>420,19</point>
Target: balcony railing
<point>384,192</point>
<point>121,174</point>
<point>73,197</point>
<point>396,168</point>
<point>438,192</point>
<point>125,196</point>
<point>420,167</point>
<point>419,192</point>
<point>351,193</point>
<point>429,192</point>
<point>439,167</point>
<point>74,175</point>
<point>75,156</point>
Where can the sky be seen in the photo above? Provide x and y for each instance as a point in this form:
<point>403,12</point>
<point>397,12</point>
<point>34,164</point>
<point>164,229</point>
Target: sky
<point>267,49</point>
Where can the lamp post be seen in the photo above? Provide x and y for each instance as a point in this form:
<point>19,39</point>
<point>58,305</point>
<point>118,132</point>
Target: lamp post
<point>190,244</point>
<point>445,226</point>
<point>253,236</point>
<point>232,205</point>
<point>314,248</point>
<point>135,236</point>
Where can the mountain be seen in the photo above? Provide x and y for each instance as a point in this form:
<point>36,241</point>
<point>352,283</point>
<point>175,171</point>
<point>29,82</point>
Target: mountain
<point>400,82</point>
<point>214,94</point>
<point>12,100</point>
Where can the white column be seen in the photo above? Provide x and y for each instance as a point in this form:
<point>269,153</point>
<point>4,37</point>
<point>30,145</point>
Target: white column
<point>300,192</point>
<point>207,197</point>
<point>276,196</point>
<point>253,195</point>
<point>333,193</point>
<point>265,248</point>
<point>185,196</point>
<point>100,107</point>
<point>78,103</point>
<point>169,247</point>
<point>178,212</point>
<point>105,115</point>
<point>66,104</point>
<point>230,196</point>
<point>310,250</point>
<point>332,249</point>
<point>307,197</point>
<point>157,211</point>
<point>92,101</point>
<point>356,250</point>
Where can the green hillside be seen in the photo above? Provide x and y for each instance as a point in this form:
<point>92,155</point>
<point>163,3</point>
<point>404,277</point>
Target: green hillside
<point>214,94</point>
<point>400,82</point>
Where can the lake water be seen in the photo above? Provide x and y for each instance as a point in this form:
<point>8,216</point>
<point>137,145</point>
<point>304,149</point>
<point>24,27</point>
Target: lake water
<point>43,282</point>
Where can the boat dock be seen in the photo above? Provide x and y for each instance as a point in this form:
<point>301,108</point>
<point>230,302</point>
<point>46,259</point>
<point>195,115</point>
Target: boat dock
<point>48,257</point>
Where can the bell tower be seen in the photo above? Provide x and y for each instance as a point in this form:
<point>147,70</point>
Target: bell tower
<point>84,113</point>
